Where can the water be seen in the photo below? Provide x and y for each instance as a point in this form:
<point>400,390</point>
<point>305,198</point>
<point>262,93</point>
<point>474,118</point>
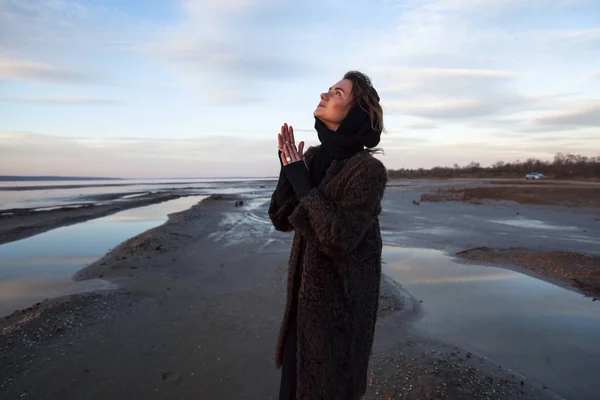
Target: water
<point>122,182</point>
<point>545,332</point>
<point>534,224</point>
<point>39,194</point>
<point>41,266</point>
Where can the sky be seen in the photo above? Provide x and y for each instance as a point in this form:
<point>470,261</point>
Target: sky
<point>197,88</point>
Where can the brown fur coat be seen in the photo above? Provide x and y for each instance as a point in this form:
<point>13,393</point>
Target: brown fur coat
<point>339,288</point>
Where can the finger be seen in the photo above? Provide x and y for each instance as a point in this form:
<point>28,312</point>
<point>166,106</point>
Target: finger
<point>290,134</point>
<point>283,160</point>
<point>293,153</point>
<point>279,141</point>
<point>286,134</point>
<point>293,140</point>
<point>283,135</point>
<point>286,154</point>
<point>301,149</point>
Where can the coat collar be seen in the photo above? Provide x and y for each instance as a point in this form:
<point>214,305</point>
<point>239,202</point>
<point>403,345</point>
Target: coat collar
<point>336,165</point>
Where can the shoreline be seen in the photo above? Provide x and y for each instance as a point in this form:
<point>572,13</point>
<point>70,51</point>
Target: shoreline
<point>577,272</point>
<point>150,182</point>
<point>24,223</point>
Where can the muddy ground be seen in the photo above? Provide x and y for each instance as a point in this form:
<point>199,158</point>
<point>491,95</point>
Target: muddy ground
<point>200,300</point>
<point>196,316</point>
<point>556,193</point>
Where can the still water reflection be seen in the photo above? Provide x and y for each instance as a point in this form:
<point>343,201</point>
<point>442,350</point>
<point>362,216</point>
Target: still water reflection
<point>41,267</point>
<point>547,333</point>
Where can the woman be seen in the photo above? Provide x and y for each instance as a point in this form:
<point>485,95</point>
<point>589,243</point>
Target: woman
<point>331,197</point>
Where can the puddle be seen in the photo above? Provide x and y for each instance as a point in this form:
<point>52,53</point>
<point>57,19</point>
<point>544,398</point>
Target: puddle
<point>533,223</point>
<point>545,332</point>
<point>24,293</point>
<point>41,266</point>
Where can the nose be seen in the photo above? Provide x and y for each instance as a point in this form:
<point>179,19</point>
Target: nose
<point>323,96</point>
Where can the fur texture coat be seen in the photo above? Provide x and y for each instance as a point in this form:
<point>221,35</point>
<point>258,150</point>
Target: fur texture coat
<point>341,272</point>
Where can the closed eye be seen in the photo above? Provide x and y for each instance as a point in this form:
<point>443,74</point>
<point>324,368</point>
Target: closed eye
<point>338,90</point>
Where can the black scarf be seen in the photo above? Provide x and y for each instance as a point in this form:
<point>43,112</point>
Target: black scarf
<point>353,135</point>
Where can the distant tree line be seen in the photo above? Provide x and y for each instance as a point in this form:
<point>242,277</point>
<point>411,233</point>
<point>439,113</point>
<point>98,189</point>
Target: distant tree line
<point>564,166</point>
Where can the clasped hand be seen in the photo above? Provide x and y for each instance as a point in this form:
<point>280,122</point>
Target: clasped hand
<point>287,145</point>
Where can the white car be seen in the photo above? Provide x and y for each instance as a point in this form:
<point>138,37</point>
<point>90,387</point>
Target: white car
<point>534,175</point>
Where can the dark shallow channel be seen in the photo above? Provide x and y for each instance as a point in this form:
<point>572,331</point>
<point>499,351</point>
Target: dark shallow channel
<point>41,266</point>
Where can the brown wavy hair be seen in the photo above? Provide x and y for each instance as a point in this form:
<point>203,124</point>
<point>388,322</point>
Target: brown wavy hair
<point>367,98</point>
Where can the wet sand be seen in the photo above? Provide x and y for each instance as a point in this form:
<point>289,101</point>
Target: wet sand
<point>200,300</point>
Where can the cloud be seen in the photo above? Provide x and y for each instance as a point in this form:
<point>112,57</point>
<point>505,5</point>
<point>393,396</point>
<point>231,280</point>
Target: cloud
<point>554,137</point>
<point>68,41</point>
<point>484,6</point>
<point>442,110</point>
<point>459,94</point>
<point>230,61</point>
<point>446,82</point>
<point>469,62</point>
<point>448,93</point>
<point>463,109</point>
<point>486,153</point>
<point>28,153</point>
<point>465,70</point>
<point>421,126</point>
<point>249,46</point>
<point>577,138</point>
<point>587,115</point>
<point>571,37</point>
<point>455,72</point>
<point>14,69</point>
<point>594,75</point>
<point>57,100</point>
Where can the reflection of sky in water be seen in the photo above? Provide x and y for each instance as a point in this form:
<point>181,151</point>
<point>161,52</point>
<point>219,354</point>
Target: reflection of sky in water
<point>545,332</point>
<point>26,292</point>
<point>532,223</point>
<point>45,262</point>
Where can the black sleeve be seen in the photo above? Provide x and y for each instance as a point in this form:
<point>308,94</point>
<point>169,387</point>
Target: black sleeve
<point>297,174</point>
<point>284,189</point>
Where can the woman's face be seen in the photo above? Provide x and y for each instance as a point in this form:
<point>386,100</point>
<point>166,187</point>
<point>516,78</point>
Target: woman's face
<point>335,104</point>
